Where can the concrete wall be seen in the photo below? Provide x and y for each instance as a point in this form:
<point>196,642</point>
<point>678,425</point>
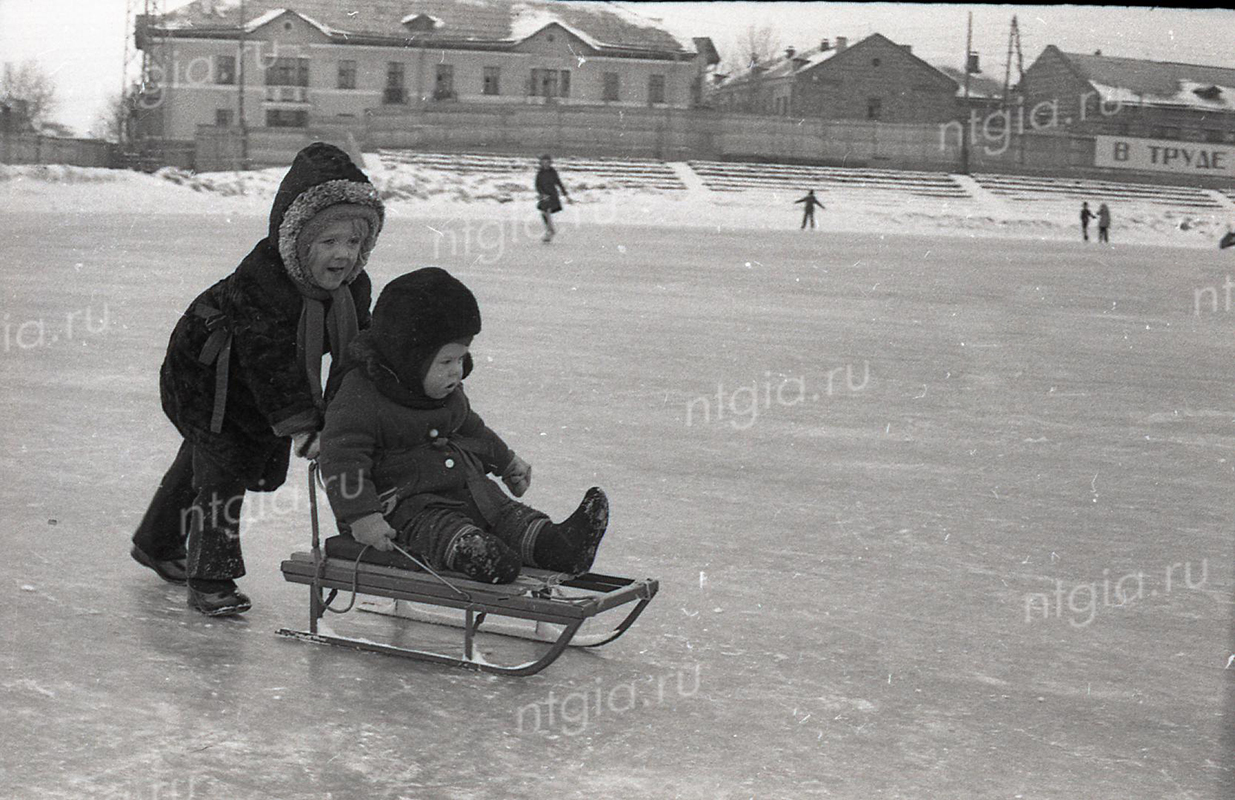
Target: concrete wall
<point>664,133</point>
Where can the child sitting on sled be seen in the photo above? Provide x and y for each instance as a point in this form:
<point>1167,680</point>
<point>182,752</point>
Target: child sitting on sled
<point>242,377</point>
<point>404,458</point>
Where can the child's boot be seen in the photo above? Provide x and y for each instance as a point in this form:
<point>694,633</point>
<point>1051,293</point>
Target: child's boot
<point>482,557</point>
<point>570,545</point>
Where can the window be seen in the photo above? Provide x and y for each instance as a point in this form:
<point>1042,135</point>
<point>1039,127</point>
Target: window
<point>287,118</point>
<point>223,117</point>
<point>288,72</point>
<point>492,84</point>
<point>225,70</point>
<point>874,108</point>
<point>394,84</point>
<point>444,83</point>
<point>874,62</point>
<point>611,87</point>
<point>656,89</point>
<point>563,83</point>
<point>347,74</point>
<point>544,83</point>
<point>1213,135</point>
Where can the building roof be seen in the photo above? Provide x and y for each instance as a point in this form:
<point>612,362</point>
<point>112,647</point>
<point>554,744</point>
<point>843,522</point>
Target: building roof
<point>780,67</point>
<point>785,65</point>
<point>603,25</point>
<point>981,87</point>
<point>1138,81</point>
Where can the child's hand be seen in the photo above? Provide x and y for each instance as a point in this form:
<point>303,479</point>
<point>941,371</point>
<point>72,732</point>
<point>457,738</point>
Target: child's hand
<point>306,445</point>
<point>518,476</point>
<point>373,531</point>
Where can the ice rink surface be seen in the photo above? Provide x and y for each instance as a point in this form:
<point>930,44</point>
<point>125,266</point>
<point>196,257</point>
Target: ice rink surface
<point>932,516</point>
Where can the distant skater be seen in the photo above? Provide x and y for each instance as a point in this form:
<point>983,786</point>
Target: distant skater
<point>1228,240</point>
<point>1086,215</point>
<point>809,214</point>
<point>547,184</point>
<point>1104,223</point>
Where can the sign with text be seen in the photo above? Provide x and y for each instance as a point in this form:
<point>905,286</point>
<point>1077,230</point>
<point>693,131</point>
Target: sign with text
<point>1161,155</point>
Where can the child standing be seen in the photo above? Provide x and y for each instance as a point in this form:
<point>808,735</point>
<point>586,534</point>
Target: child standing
<point>404,456</point>
<point>242,377</point>
<point>1086,215</point>
<point>1104,223</point>
<point>547,184</point>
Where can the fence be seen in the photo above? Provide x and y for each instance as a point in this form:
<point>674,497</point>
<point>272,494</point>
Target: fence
<point>32,148</point>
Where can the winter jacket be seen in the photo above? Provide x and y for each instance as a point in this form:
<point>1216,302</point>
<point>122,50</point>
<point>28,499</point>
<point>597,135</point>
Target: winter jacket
<point>548,182</point>
<point>241,335</point>
<point>378,453</point>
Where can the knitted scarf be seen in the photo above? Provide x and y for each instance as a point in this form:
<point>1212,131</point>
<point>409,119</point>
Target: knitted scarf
<point>341,327</point>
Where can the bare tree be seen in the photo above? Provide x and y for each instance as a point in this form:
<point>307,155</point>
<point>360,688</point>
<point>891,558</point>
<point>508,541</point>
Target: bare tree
<point>29,82</point>
<point>114,122</point>
<point>758,44</point>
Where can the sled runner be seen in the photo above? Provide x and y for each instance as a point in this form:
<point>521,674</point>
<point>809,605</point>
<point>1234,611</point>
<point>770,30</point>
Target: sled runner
<point>548,607</point>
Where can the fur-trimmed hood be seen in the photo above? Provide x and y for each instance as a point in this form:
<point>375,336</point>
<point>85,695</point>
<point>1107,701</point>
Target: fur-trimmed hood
<point>320,176</point>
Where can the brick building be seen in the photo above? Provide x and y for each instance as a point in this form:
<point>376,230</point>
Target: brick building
<point>1105,95</point>
<point>875,79</point>
<point>319,62</point>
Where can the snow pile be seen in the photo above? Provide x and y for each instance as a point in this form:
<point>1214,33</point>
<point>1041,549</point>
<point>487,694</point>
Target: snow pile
<point>419,191</point>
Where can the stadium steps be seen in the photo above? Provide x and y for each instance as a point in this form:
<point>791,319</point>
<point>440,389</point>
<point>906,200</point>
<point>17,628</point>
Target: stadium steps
<point>1025,189</point>
<point>720,176</point>
<point>578,172</point>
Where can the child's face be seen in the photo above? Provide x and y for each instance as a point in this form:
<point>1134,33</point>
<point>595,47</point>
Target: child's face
<point>445,371</point>
<point>333,253</point>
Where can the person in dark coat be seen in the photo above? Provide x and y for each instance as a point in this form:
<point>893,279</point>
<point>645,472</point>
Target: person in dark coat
<point>241,380</point>
<point>405,458</point>
<point>547,184</point>
<point>1104,223</point>
<point>1086,215</point>
<point>812,203</point>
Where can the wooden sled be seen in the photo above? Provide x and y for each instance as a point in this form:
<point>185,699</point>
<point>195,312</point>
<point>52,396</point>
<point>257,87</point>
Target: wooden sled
<point>556,605</point>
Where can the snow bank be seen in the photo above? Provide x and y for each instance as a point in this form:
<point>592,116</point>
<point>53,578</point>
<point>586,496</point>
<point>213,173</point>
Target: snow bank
<point>416,191</point>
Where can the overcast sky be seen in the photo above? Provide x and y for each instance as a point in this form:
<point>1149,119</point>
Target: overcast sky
<point>81,42</point>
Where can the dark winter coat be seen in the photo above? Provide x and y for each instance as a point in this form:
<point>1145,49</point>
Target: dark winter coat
<point>547,184</point>
<point>374,447</point>
<point>268,396</point>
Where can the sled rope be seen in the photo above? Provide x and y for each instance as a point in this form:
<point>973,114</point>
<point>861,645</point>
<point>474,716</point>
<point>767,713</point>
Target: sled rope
<point>355,585</point>
<point>432,572</point>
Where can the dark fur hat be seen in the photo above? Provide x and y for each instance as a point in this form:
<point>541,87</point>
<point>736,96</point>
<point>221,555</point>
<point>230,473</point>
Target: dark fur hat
<point>416,315</point>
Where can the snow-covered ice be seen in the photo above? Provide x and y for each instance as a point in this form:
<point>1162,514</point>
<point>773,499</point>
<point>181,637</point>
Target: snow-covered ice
<point>936,512</point>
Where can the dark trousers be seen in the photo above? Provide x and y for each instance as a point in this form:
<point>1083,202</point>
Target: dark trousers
<point>1085,230</point>
<point>195,510</point>
<point>1103,233</point>
<point>435,532</point>
<point>809,214</point>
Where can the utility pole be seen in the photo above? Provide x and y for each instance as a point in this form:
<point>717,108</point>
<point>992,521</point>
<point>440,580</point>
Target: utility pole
<point>1014,43</point>
<point>244,125</point>
<point>971,66</point>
